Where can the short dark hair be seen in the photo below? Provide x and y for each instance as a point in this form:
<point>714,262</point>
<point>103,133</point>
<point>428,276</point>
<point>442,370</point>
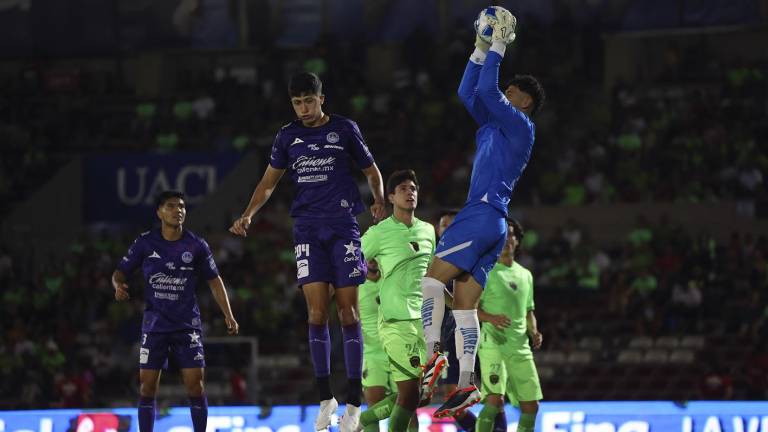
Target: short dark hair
<point>164,196</point>
<point>400,176</point>
<point>305,83</point>
<point>519,233</point>
<point>532,86</point>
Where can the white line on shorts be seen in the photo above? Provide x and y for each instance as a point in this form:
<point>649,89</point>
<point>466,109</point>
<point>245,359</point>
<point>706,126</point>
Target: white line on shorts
<point>454,249</point>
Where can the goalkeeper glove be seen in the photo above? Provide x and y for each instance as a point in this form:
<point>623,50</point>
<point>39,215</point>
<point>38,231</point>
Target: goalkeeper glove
<point>481,44</point>
<point>504,28</point>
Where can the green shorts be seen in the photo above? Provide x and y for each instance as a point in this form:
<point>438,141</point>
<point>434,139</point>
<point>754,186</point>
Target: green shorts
<point>403,341</point>
<point>376,370</point>
<point>503,374</point>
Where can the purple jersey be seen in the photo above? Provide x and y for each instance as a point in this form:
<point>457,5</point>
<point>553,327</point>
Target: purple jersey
<point>320,162</point>
<point>171,271</point>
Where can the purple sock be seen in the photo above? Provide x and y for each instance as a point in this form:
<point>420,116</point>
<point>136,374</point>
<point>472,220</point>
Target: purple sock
<point>146,414</point>
<point>467,421</point>
<point>353,350</point>
<point>500,424</point>
<point>198,407</point>
<point>320,348</point>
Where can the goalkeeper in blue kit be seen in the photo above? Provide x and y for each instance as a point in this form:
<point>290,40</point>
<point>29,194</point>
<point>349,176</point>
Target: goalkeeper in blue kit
<point>472,244</point>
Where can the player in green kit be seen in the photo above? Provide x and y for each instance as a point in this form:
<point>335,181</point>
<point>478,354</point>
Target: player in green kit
<point>377,378</point>
<point>506,360</point>
<point>402,245</point>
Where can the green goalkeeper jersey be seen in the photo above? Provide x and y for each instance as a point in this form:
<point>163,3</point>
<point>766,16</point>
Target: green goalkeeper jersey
<point>509,291</point>
<point>369,313</point>
<point>403,254</point>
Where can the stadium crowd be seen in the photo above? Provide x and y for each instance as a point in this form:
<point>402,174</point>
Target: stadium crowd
<point>66,343</point>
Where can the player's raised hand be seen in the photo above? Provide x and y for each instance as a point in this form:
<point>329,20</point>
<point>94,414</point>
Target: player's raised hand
<point>500,321</point>
<point>378,211</point>
<point>121,291</point>
<point>504,27</point>
<point>240,226</point>
<point>536,340</point>
<point>233,327</point>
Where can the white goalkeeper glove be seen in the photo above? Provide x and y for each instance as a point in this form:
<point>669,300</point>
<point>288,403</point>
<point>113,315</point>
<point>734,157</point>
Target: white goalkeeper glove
<point>481,44</point>
<point>504,27</point>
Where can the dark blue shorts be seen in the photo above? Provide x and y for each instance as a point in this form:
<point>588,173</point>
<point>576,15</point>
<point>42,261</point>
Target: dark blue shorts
<point>329,252</point>
<point>185,347</point>
<point>473,241</point>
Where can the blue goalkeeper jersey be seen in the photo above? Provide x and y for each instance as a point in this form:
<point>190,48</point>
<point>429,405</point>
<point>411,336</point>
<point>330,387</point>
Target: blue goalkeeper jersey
<point>504,139</point>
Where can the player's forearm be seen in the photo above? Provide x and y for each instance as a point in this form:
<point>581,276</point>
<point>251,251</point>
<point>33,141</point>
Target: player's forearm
<point>375,182</point>
<point>531,324</point>
<point>488,83</point>
<point>468,83</point>
<point>259,197</point>
<point>220,295</point>
<point>483,316</point>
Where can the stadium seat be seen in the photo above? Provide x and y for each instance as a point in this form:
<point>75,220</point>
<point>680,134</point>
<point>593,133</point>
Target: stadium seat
<point>579,357</point>
<point>656,356</point>
<point>692,341</point>
<point>641,342</point>
<point>630,356</point>
<point>682,356</point>
<point>668,342</point>
<point>590,343</point>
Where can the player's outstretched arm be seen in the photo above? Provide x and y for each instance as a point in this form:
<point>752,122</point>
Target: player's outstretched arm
<point>220,295</point>
<point>496,102</point>
<point>376,184</point>
<point>260,196</point>
<point>533,330</point>
<point>120,283</point>
<point>468,86</point>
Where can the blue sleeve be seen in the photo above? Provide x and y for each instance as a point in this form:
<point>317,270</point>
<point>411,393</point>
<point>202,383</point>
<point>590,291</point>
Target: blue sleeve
<point>205,262</point>
<point>133,259</point>
<point>512,120</point>
<point>468,93</point>
<point>279,158</point>
<point>357,148</point>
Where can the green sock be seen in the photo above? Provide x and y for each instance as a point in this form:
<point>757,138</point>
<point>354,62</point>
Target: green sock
<point>486,419</point>
<point>526,423</point>
<point>399,420</point>
<point>380,411</point>
<point>413,426</point>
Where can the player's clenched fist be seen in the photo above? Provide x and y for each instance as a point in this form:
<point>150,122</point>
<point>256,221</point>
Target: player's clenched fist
<point>240,226</point>
<point>121,291</point>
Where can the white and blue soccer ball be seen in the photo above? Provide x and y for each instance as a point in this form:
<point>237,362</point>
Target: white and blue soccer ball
<point>485,21</point>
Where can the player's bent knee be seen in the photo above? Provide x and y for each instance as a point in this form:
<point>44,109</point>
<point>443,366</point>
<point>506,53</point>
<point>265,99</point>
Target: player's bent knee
<point>529,407</point>
<point>348,315</point>
<point>317,315</point>
<point>494,399</point>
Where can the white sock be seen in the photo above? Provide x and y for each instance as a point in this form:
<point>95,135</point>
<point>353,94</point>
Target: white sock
<point>467,334</point>
<point>432,311</point>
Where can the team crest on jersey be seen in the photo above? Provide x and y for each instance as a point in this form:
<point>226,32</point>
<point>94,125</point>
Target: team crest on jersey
<point>494,379</point>
<point>186,257</point>
<point>513,286</point>
<point>415,246</point>
<point>332,137</point>
<point>415,361</point>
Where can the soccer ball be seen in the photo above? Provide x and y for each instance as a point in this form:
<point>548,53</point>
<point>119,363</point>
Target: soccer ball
<point>485,21</point>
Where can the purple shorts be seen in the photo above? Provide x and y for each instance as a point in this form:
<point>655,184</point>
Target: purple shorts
<point>185,346</point>
<point>329,252</point>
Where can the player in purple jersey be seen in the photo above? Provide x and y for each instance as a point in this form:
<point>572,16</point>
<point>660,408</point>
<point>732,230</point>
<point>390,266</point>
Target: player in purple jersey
<point>172,260</point>
<point>319,152</point>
